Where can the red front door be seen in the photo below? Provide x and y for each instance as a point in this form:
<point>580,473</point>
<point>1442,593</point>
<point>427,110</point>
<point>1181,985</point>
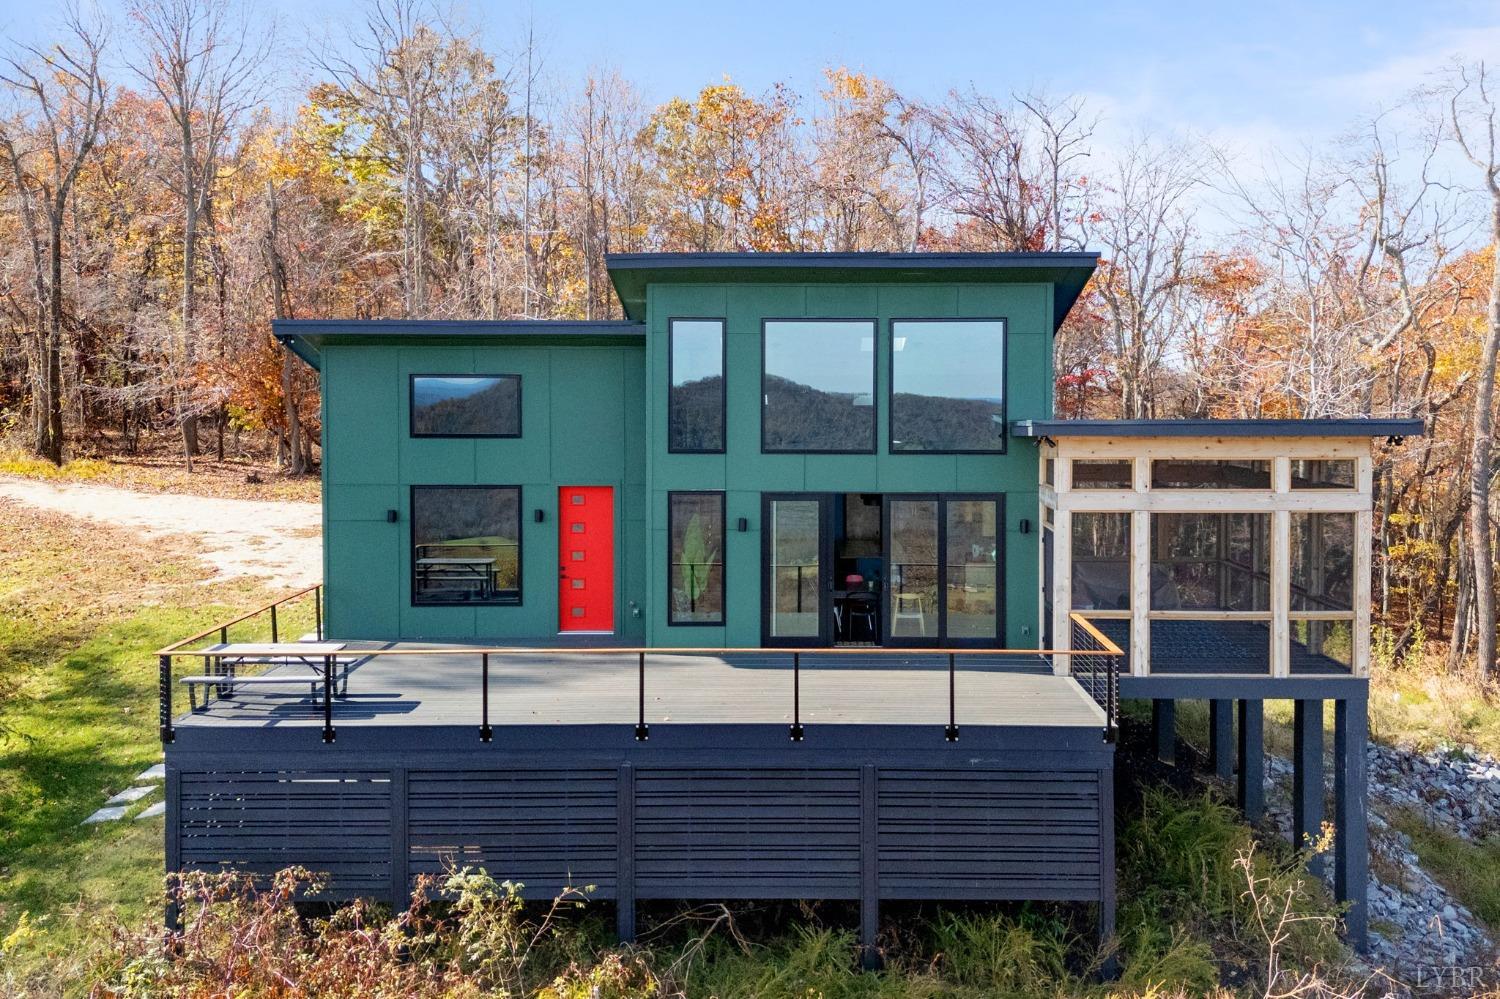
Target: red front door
<point>586,550</point>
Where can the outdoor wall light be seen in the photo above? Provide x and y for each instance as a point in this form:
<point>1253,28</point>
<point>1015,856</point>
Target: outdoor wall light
<point>742,525</point>
<point>391,516</point>
<point>539,515</point>
<point>1025,526</point>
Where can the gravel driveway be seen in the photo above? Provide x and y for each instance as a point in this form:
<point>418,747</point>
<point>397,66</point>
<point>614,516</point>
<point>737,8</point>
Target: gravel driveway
<point>274,539</point>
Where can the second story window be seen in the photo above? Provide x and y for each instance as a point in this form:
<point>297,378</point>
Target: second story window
<point>466,405</point>
<point>818,386</point>
<point>948,385</point>
<point>695,400</point>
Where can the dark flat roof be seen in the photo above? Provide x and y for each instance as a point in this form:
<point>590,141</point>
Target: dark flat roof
<point>305,337</point>
<point>632,272</point>
<point>1347,427</point>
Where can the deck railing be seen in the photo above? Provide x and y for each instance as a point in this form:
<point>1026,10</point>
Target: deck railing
<point>1094,661</point>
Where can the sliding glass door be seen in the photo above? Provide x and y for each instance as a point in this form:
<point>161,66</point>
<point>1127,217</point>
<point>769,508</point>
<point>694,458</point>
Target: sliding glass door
<point>795,573</point>
<point>945,557</point>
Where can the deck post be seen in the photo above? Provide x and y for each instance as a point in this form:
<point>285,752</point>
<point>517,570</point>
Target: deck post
<point>1307,778</point>
<point>1252,745</point>
<point>1351,862</point>
<point>1164,729</point>
<point>400,824</point>
<point>1110,968</point>
<point>173,914</point>
<point>625,854</point>
<point>869,868</point>
<point>1221,737</point>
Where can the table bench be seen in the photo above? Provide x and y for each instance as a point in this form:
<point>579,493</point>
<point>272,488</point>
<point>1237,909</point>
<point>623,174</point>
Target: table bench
<point>228,659</point>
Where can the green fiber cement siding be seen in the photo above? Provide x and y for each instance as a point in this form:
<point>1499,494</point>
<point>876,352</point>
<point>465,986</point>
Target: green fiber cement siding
<point>595,414</point>
<point>582,420</point>
<point>743,472</point>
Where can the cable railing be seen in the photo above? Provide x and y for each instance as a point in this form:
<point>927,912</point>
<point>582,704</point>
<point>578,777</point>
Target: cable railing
<point>1093,660</point>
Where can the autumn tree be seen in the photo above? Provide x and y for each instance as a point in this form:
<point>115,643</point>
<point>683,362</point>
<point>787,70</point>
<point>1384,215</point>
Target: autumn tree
<point>58,102</point>
<point>204,63</point>
<point>1474,114</point>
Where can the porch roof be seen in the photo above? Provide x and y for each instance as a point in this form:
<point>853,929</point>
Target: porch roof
<point>1344,427</point>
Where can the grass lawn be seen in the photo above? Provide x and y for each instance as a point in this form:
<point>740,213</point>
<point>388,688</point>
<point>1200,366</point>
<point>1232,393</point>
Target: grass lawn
<point>85,605</point>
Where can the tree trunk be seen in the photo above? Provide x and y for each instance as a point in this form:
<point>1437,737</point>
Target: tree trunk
<point>294,462</point>
<point>49,419</point>
<point>1479,484</point>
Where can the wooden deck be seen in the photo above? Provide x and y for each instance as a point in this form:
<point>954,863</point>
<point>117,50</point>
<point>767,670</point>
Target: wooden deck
<point>542,688</point>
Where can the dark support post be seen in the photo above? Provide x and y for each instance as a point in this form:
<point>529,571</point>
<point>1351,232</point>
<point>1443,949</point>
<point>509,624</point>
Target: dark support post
<point>796,729</point>
<point>1351,862</point>
<point>173,915</point>
<point>869,869</point>
<point>1221,737</point>
<point>625,855</point>
<point>318,612</point>
<point>951,732</point>
<point>485,732</point>
<point>1111,966</point>
<point>642,731</point>
<point>1307,778</point>
<point>1252,783</point>
<point>1164,729</point>
<point>275,633</point>
<point>400,874</point>
<point>328,732</point>
<point>164,693</point>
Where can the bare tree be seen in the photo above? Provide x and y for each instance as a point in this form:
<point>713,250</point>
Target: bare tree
<point>1008,167</point>
<point>1147,240</point>
<point>60,102</point>
<point>205,63</point>
<point>1066,128</point>
<point>1474,113</point>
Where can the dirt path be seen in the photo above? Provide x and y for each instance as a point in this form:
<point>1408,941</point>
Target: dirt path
<point>278,540</point>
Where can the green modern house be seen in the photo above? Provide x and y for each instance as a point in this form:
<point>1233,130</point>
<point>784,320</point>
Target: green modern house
<point>786,585</point>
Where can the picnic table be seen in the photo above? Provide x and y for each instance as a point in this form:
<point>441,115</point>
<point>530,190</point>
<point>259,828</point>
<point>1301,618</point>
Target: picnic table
<point>440,569</point>
<point>288,662</point>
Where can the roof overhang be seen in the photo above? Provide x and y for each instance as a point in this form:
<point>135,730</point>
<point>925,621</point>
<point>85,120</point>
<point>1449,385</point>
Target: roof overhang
<point>307,337</point>
<point>632,273</point>
<point>1349,427</point>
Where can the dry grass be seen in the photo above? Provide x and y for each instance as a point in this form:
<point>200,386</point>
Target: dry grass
<point>1420,703</point>
<point>234,478</point>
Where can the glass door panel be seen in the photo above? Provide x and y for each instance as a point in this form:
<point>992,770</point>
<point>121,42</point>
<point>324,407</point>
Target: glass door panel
<point>971,588</point>
<point>912,606</point>
<point>794,571</point>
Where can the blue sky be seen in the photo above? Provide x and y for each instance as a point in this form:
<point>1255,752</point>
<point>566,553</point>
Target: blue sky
<point>1250,74</point>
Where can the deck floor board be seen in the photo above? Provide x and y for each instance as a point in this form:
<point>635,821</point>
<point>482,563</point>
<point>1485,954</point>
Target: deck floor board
<point>545,689</point>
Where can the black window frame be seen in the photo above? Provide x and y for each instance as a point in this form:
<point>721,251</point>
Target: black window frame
<point>411,406</point>
<point>411,546</point>
<point>890,385</point>
<point>874,322</point>
<point>941,639</point>
<point>723,559</point>
<point>723,383</point>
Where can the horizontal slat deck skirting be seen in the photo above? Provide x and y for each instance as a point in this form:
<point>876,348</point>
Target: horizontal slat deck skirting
<point>995,816</point>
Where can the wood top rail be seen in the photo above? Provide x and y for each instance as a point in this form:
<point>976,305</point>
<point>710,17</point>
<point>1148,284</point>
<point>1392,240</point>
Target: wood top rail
<point>1108,647</point>
<point>206,632</point>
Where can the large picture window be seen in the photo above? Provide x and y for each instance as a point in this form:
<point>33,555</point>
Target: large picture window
<point>948,385</point>
<point>695,400</point>
<point>466,545</point>
<point>695,576</point>
<point>818,386</point>
<point>466,405</point>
